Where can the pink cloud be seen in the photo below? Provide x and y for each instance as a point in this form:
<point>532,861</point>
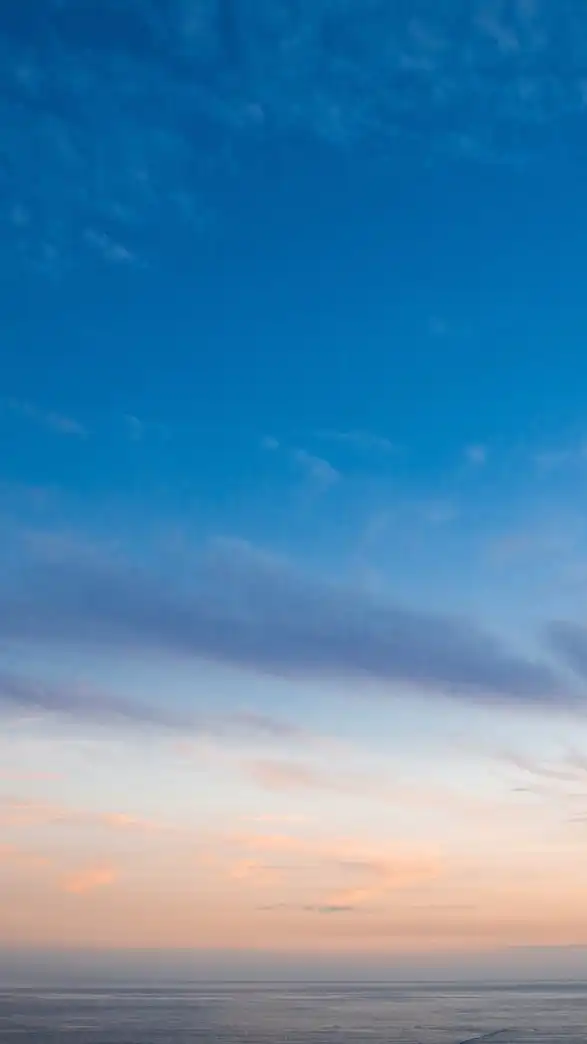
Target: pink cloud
<point>349,872</point>
<point>11,854</point>
<point>18,812</point>
<point>255,873</point>
<point>89,879</point>
<point>276,774</point>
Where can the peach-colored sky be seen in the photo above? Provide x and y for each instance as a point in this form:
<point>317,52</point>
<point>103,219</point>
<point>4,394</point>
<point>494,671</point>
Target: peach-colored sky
<point>224,845</point>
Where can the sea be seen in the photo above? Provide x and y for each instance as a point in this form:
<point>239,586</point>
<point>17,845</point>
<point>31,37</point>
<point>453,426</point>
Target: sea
<point>297,1014</point>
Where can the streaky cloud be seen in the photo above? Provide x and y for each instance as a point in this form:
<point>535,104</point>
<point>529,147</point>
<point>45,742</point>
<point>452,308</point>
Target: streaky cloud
<point>243,608</point>
<point>89,879</point>
<point>56,422</point>
<point>280,775</point>
<point>32,695</point>
<point>569,641</point>
<point>98,707</point>
<point>324,909</point>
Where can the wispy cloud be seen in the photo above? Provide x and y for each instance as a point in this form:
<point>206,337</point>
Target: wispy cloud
<point>15,813</point>
<point>569,641</point>
<point>558,783</point>
<point>439,512</point>
<point>138,429</point>
<point>281,775</point>
<point>135,427</point>
<point>255,873</point>
<point>260,724</point>
<point>249,609</point>
<point>13,855</point>
<point>554,459</point>
<point>320,908</point>
<point>535,546</point>
<point>476,454</point>
<point>319,470</point>
<point>353,873</point>
<point>108,248</point>
<point>91,705</point>
<point>78,702</point>
<point>91,878</point>
<point>365,441</point>
<point>564,770</point>
<point>444,84</point>
<point>56,422</point>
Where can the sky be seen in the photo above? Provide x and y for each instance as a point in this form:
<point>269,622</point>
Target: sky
<point>293,488</point>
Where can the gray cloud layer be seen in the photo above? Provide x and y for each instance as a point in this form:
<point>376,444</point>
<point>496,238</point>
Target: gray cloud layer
<point>245,609</point>
<point>29,695</point>
<point>569,640</point>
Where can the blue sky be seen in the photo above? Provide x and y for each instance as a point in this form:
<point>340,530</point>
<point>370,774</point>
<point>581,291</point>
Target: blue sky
<point>292,497</point>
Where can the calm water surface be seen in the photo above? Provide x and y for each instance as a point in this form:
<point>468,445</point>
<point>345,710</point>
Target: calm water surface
<point>231,1014</point>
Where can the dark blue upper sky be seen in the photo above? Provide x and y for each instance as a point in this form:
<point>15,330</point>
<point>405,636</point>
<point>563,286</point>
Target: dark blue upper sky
<point>282,217</point>
<point>226,222</point>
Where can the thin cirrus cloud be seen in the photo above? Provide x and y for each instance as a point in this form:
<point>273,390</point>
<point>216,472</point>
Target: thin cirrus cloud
<point>18,813</point>
<point>558,786</point>
<point>89,880</point>
<point>247,609</point>
<point>317,469</point>
<point>98,707</point>
<point>316,908</point>
<point>35,696</point>
<point>569,641</point>
<point>79,882</point>
<point>280,775</point>
<point>48,419</point>
<point>345,874</point>
<point>396,75</point>
<point>476,454</point>
<point>20,857</point>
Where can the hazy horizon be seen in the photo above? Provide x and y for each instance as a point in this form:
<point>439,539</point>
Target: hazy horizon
<point>85,968</point>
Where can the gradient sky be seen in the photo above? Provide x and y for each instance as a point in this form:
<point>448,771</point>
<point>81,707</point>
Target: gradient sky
<point>293,492</point>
